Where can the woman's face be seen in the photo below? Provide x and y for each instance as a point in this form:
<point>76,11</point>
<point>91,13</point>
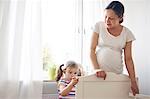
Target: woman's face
<point>70,72</point>
<point>111,19</point>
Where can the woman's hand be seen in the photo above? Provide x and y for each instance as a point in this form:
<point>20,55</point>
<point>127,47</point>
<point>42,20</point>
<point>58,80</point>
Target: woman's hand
<point>101,74</point>
<point>134,88</point>
<point>74,80</point>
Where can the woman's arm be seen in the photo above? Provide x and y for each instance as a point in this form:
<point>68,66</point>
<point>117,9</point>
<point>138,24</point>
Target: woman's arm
<point>94,43</point>
<point>129,61</point>
<point>99,73</point>
<point>130,67</point>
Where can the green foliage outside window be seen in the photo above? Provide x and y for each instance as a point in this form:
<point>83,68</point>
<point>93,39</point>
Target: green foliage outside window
<point>48,64</point>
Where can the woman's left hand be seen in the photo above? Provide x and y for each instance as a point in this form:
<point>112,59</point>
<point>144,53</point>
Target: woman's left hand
<point>134,88</point>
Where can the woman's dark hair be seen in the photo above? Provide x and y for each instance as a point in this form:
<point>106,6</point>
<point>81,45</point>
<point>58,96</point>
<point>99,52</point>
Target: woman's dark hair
<point>61,71</point>
<point>118,8</point>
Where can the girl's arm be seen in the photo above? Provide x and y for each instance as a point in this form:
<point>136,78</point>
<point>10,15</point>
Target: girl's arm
<point>94,43</point>
<point>64,91</point>
<point>130,66</point>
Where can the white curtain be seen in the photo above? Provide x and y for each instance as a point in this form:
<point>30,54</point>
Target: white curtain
<point>20,49</point>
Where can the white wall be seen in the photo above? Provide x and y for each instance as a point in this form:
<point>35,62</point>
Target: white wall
<point>138,20</point>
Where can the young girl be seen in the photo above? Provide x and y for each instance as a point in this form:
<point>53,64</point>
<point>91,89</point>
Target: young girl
<point>67,78</point>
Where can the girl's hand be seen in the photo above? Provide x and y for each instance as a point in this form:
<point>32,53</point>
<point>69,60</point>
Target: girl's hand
<point>134,88</point>
<point>101,74</point>
<point>74,80</point>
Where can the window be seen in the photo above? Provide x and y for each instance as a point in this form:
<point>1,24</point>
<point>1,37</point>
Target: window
<point>61,37</point>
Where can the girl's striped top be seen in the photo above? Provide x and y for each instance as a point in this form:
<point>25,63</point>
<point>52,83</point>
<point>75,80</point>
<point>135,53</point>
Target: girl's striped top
<point>71,94</point>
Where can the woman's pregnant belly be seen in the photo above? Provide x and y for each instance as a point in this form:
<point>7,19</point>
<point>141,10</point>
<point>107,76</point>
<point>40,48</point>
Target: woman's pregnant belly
<point>110,60</point>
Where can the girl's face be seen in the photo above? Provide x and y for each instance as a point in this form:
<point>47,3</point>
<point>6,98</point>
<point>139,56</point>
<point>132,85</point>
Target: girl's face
<point>70,72</point>
<point>111,19</point>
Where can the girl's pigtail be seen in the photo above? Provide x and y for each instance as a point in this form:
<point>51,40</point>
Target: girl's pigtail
<point>79,73</point>
<point>59,73</point>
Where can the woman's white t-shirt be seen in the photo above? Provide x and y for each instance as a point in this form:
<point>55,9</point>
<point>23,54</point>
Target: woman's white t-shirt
<point>109,52</point>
